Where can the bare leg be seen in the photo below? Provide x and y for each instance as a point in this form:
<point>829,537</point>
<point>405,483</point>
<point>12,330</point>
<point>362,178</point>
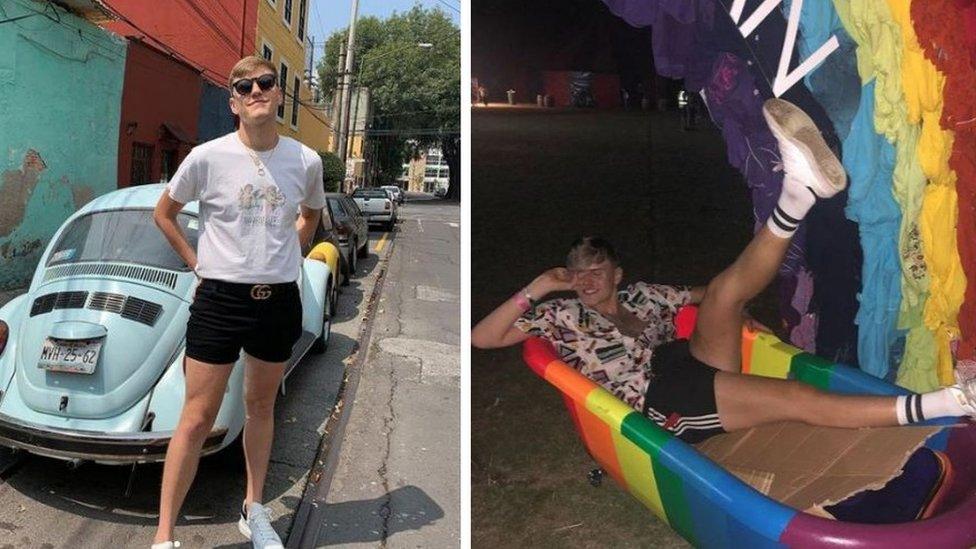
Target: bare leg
<point>746,401</point>
<point>717,338</point>
<point>205,385</point>
<point>261,382</point>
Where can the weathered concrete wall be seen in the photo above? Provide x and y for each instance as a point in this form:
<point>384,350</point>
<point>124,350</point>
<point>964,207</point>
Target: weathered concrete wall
<point>60,97</point>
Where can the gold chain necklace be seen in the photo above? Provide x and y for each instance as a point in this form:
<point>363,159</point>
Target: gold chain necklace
<point>258,163</point>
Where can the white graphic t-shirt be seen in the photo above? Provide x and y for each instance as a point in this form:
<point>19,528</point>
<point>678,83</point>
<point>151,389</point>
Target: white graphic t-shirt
<point>247,231</point>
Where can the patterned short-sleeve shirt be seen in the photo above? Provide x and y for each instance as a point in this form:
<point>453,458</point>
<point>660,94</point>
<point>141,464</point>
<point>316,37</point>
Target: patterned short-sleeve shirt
<point>589,342</point>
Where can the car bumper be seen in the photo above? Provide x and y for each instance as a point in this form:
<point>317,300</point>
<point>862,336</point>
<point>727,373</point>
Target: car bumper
<point>117,448</point>
<point>380,218</point>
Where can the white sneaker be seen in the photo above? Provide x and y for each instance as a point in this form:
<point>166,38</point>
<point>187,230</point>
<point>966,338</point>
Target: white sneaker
<point>804,152</point>
<point>964,391</point>
<point>256,526</point>
<point>167,545</point>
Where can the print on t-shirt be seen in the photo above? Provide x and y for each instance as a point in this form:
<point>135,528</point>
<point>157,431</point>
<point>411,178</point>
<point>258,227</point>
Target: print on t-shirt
<point>260,206</point>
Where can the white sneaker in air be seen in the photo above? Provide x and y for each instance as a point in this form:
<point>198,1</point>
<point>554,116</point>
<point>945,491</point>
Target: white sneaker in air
<point>256,526</point>
<point>805,154</point>
<point>167,545</point>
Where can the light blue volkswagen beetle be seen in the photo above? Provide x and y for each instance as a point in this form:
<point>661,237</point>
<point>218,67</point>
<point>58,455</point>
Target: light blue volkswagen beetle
<point>91,356</point>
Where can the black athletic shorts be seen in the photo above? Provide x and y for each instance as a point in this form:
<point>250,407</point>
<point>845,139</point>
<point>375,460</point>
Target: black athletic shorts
<point>680,397</point>
<point>263,319</point>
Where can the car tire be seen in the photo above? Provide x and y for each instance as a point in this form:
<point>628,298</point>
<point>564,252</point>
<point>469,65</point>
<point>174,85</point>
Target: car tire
<point>334,302</point>
<point>353,264</point>
<point>363,251</point>
<point>390,225</point>
<point>346,271</point>
<point>322,342</point>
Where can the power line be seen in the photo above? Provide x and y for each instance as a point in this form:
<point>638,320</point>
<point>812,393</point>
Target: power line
<point>449,5</point>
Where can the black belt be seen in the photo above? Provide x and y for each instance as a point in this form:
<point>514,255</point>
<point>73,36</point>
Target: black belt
<point>257,292</point>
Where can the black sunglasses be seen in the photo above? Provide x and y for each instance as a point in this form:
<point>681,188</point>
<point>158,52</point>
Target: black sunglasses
<point>245,85</point>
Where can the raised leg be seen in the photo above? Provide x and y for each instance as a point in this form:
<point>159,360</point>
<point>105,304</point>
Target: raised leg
<point>717,338</point>
<point>811,172</point>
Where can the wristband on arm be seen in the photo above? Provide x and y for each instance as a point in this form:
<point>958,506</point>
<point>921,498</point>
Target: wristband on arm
<point>523,299</point>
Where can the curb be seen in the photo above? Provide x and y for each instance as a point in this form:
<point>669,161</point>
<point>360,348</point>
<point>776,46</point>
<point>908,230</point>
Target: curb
<point>307,521</point>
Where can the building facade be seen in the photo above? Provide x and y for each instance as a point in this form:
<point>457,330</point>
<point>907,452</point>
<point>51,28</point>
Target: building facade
<point>282,28</point>
<point>61,106</point>
<point>427,173</point>
<point>191,47</point>
<point>158,125</point>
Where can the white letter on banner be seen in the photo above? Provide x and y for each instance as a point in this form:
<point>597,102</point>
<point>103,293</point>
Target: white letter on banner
<point>784,78</point>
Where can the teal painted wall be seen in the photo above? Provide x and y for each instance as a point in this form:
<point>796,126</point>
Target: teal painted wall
<point>60,102</point>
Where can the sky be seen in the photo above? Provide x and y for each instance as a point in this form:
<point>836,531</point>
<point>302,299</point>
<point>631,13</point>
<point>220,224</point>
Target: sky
<point>328,16</point>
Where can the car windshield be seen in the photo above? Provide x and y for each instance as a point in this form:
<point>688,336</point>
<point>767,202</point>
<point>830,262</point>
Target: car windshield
<point>125,236</point>
<point>370,193</point>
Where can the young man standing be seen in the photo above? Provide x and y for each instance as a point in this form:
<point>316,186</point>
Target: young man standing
<point>251,184</point>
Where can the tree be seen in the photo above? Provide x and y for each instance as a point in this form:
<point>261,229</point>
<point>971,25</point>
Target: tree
<point>415,91</point>
<point>333,172</point>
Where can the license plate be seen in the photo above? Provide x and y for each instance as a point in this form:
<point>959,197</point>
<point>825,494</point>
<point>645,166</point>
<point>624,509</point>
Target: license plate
<point>76,357</point>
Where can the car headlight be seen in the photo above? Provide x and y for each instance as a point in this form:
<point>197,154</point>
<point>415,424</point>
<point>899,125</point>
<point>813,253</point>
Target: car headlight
<point>4,332</point>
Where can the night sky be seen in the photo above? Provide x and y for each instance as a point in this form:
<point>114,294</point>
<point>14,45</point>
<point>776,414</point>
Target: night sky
<point>514,40</point>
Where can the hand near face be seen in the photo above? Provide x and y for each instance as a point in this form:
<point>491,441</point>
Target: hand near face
<point>557,279</point>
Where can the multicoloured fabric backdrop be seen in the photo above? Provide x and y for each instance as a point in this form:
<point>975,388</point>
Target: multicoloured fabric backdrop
<point>878,275</point>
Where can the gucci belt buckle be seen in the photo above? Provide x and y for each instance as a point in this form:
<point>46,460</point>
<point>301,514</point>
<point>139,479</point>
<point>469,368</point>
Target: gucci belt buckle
<point>260,291</point>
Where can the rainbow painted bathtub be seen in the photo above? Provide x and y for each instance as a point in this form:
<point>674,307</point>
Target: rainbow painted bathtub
<point>710,507</point>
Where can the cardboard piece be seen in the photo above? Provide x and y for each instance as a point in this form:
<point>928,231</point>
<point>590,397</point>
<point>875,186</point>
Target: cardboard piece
<point>809,467</point>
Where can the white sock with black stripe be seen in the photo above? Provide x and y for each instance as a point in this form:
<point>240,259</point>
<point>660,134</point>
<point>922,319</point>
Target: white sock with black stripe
<point>795,200</point>
<point>917,408</point>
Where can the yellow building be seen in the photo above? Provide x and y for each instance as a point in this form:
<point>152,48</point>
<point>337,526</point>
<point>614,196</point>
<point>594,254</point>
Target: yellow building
<point>282,38</point>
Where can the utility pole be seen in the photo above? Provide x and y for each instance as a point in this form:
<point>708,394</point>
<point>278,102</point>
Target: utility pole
<point>347,82</point>
<point>337,102</point>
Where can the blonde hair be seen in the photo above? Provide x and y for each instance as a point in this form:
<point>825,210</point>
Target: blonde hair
<point>248,65</point>
<point>589,250</point>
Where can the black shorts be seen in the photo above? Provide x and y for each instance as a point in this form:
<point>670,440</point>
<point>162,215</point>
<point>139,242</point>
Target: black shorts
<point>263,319</point>
<point>680,397</point>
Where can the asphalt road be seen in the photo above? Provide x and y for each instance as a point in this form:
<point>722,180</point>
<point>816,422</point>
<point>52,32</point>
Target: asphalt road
<point>45,504</point>
<point>677,213</point>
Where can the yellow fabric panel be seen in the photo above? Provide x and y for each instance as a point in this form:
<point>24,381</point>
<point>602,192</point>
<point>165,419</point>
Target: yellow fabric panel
<point>923,85</point>
<point>771,357</point>
<point>638,470</point>
<point>608,408</point>
<point>938,226</point>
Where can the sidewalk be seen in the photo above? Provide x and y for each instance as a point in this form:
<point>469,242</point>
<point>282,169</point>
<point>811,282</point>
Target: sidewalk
<point>397,480</point>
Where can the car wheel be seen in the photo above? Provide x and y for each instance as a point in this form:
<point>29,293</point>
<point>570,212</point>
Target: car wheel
<point>333,302</point>
<point>346,271</point>
<point>353,263</point>
<point>322,342</point>
<point>364,250</point>
<point>390,225</point>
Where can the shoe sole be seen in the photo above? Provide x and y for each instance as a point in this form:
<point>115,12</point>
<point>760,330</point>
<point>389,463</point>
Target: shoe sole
<point>789,122</point>
<point>243,529</point>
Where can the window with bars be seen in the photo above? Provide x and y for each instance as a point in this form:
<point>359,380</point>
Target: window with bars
<point>283,83</point>
<point>141,171</point>
<point>295,90</point>
<point>302,6</point>
<point>286,13</point>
